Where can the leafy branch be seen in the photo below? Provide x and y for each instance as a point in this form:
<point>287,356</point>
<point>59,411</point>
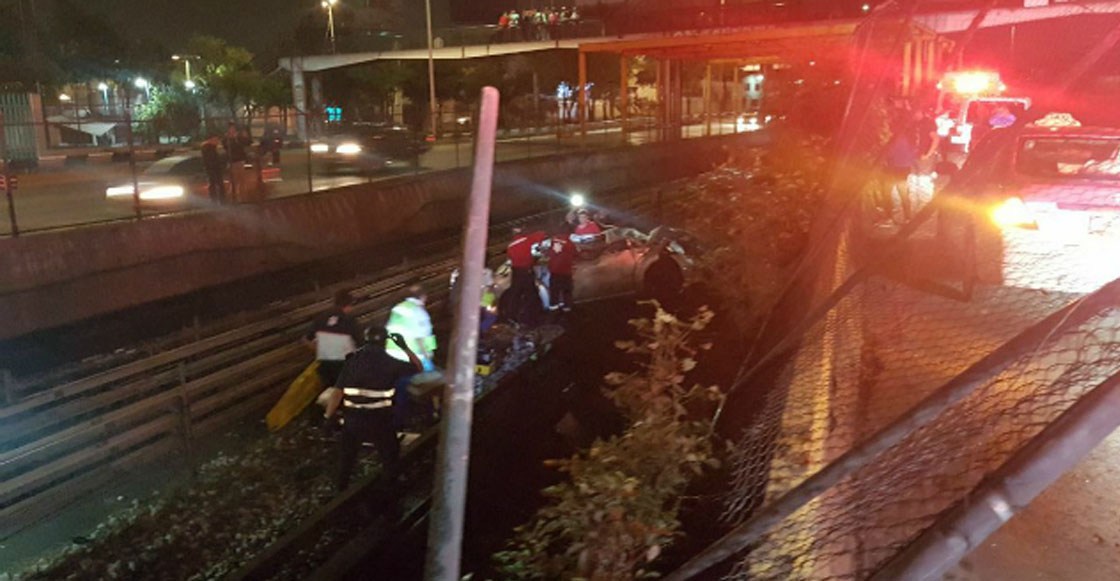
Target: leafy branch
<point>618,509</point>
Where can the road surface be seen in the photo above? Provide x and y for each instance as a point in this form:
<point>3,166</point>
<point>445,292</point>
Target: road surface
<point>76,196</point>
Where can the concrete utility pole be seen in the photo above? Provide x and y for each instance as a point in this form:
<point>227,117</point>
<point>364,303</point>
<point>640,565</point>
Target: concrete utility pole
<point>445,531</point>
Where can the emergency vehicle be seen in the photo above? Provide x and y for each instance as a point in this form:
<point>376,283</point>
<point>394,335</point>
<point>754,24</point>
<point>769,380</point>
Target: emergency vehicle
<point>971,103</point>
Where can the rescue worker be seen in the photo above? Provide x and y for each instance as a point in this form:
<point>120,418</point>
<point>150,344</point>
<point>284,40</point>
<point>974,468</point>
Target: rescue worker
<point>561,259</point>
<point>522,288</point>
<point>587,226</point>
<point>334,335</point>
<point>367,391</point>
<point>410,319</point>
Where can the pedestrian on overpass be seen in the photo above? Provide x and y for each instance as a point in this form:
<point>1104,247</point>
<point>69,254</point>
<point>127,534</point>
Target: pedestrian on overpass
<point>334,335</point>
<point>367,389</point>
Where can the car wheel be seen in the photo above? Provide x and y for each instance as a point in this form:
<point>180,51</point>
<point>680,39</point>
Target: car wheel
<point>663,280</point>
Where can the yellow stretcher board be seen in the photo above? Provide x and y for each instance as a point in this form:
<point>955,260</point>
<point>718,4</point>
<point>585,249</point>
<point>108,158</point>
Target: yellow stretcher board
<point>300,394</point>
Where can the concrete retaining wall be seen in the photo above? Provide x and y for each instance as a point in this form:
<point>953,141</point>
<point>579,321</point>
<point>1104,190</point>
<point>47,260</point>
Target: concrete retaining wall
<point>58,278</point>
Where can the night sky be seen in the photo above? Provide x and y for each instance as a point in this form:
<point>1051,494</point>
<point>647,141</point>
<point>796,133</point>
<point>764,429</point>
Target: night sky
<point>255,24</point>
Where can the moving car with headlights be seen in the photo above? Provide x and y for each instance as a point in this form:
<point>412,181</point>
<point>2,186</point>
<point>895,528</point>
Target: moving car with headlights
<point>751,122</point>
<point>175,180</point>
<point>1047,197</point>
<point>368,147</point>
<point>619,262</point>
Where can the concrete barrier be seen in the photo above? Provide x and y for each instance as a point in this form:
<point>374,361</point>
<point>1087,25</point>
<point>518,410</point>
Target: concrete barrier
<point>57,278</point>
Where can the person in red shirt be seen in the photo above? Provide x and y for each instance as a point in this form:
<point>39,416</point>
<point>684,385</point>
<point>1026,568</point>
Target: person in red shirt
<point>561,260</point>
<point>522,288</point>
<point>586,226</point>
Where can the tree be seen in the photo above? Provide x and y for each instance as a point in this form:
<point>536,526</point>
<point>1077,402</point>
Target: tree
<point>369,90</point>
<point>171,111</point>
<point>227,77</point>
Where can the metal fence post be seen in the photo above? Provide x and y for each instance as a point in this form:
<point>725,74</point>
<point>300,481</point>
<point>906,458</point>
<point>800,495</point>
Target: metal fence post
<point>132,157</point>
<point>7,386</point>
<point>307,148</point>
<point>7,176</point>
<point>184,411</point>
<point>445,533</point>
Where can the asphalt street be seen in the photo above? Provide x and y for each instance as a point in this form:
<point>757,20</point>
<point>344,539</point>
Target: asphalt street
<point>75,196</point>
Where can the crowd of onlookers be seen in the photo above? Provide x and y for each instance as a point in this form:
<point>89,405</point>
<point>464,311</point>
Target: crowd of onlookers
<point>532,24</point>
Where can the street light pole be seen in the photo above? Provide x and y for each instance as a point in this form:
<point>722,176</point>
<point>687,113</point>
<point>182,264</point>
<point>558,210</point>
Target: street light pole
<point>329,5</point>
<point>104,88</point>
<point>432,104</point>
<point>187,58</point>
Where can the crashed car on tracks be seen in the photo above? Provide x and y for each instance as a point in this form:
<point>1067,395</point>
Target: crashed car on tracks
<point>618,262</point>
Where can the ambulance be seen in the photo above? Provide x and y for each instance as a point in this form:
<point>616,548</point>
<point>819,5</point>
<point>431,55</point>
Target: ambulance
<point>970,104</point>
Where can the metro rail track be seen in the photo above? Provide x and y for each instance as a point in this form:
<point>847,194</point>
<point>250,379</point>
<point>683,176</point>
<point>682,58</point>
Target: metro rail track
<point>61,441</point>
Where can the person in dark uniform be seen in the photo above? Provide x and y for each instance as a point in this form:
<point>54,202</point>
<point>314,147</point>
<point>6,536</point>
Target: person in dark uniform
<point>212,162</point>
<point>366,393</point>
<point>334,335</point>
<point>237,154</point>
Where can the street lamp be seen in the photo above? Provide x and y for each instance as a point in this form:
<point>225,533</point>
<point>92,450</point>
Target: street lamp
<point>142,83</point>
<point>329,5</point>
<point>104,88</point>
<point>187,58</point>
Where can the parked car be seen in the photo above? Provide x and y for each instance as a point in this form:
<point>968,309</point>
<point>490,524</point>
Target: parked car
<point>368,147</point>
<point>1046,200</point>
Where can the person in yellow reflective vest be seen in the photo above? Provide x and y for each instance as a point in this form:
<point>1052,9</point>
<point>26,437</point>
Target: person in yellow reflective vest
<point>410,319</point>
<point>489,314</point>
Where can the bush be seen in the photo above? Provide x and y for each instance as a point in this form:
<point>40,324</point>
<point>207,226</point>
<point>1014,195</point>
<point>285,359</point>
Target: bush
<point>618,508</point>
<point>754,215</point>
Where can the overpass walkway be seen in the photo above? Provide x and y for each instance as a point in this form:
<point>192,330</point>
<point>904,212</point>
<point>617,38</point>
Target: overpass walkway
<point>937,21</point>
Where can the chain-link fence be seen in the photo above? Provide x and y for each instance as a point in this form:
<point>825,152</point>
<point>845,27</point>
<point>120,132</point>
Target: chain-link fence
<point>885,352</point>
<point>84,168</point>
<point>905,365</point>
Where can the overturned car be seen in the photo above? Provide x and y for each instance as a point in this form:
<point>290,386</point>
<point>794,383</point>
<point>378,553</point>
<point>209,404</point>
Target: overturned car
<point>618,262</point>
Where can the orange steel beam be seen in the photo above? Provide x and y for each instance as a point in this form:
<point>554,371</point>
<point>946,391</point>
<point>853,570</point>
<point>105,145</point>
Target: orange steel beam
<point>644,45</point>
